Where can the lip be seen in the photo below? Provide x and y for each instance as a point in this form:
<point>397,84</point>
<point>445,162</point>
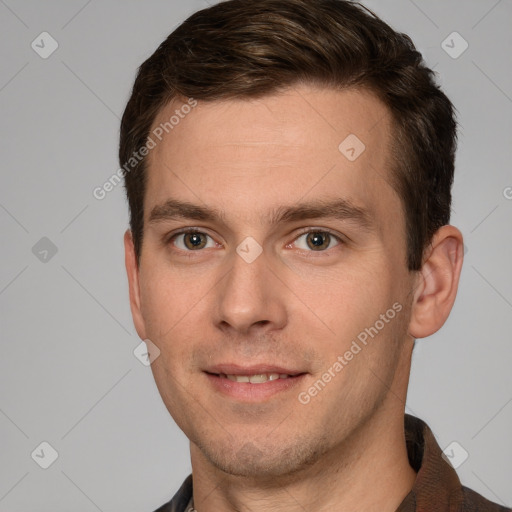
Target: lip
<point>235,369</point>
<point>246,391</point>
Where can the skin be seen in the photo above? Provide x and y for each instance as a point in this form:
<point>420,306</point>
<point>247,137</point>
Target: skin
<point>293,306</point>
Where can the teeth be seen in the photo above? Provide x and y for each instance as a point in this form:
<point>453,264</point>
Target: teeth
<point>256,379</point>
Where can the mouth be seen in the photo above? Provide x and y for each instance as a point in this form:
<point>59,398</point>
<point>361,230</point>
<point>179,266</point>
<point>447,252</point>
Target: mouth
<point>252,384</point>
<point>257,378</point>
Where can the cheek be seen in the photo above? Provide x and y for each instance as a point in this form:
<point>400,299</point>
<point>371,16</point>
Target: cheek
<point>346,301</point>
<point>168,298</point>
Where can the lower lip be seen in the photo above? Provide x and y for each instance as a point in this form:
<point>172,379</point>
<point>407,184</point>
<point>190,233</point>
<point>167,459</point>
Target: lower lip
<point>247,392</point>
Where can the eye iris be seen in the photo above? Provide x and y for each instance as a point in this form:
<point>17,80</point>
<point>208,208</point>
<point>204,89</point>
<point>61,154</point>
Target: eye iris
<point>318,240</point>
<point>194,241</point>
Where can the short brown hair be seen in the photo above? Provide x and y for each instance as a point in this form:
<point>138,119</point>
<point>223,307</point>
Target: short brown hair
<point>248,49</point>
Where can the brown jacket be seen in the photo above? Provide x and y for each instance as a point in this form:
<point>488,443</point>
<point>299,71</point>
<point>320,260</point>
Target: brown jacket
<point>437,487</point>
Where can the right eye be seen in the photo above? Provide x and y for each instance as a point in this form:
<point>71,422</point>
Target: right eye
<point>192,241</point>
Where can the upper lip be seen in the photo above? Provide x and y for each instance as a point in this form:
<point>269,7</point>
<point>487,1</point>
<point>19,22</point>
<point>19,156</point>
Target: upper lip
<point>235,369</point>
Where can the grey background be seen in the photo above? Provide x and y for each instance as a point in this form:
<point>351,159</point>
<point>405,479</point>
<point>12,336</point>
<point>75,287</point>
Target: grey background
<point>68,375</point>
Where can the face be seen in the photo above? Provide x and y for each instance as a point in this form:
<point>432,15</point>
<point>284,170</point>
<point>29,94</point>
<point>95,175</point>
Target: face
<point>273,276</point>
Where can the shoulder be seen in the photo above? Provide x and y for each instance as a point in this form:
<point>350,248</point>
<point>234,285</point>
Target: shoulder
<point>474,502</point>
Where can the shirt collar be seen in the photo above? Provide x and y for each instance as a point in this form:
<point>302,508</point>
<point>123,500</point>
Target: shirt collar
<point>436,480</point>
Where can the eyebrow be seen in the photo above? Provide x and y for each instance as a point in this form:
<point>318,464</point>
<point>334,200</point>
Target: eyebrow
<point>340,209</point>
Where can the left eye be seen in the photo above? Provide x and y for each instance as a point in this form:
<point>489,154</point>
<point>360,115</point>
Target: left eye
<point>316,241</point>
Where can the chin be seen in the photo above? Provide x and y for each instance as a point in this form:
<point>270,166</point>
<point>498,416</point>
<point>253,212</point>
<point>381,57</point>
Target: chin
<point>264,462</point>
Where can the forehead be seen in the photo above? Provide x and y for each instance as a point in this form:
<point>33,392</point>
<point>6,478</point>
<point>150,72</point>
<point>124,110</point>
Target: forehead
<point>304,141</point>
<point>296,117</point>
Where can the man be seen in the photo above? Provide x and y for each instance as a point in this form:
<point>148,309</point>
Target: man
<point>288,166</point>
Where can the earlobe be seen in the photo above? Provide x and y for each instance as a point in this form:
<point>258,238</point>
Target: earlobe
<point>132,271</point>
<point>437,282</point>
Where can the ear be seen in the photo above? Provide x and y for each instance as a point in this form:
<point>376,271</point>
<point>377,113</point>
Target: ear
<point>437,282</point>
<point>132,271</point>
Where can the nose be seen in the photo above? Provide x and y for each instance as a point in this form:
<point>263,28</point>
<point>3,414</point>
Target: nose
<point>251,299</point>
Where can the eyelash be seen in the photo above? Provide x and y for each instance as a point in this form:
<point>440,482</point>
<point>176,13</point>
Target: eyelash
<point>306,231</point>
